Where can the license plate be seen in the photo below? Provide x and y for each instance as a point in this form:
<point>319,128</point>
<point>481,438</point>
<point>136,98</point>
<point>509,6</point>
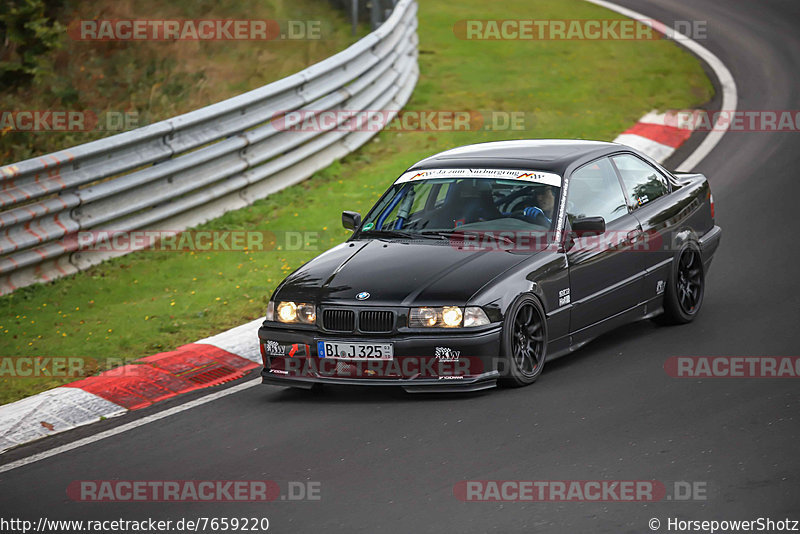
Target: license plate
<point>353,350</point>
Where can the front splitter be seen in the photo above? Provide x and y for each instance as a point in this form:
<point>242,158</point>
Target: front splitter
<point>411,385</point>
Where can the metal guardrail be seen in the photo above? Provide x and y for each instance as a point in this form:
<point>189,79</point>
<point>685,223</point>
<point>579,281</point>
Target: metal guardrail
<point>191,168</point>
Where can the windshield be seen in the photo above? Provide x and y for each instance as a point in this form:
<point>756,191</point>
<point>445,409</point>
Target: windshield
<point>467,199</point>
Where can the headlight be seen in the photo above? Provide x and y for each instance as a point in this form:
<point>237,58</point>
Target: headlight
<point>294,312</point>
<point>451,316</point>
<point>475,316</point>
<point>447,317</point>
<point>423,317</point>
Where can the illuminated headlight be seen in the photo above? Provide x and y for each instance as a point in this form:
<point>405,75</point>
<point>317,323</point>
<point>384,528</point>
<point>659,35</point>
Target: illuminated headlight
<point>446,317</point>
<point>423,317</point>
<point>451,316</point>
<point>294,312</point>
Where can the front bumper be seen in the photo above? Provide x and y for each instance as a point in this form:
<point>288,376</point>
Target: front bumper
<point>463,361</point>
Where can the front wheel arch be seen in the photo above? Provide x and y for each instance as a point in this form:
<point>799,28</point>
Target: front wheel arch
<point>517,366</point>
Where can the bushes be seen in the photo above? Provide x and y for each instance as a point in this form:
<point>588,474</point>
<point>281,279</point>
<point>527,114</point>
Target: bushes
<point>42,67</point>
<point>28,32</point>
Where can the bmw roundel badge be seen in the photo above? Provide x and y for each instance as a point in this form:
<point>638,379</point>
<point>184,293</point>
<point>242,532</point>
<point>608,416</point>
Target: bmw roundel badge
<point>362,296</point>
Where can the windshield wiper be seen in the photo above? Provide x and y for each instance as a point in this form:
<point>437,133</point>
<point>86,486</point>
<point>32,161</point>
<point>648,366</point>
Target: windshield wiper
<point>399,233</point>
<point>448,234</point>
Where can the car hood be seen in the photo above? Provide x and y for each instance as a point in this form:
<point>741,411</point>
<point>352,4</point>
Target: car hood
<point>396,273</point>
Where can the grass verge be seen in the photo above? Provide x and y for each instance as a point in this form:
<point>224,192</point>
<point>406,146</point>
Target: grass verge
<point>156,80</point>
<point>154,301</point>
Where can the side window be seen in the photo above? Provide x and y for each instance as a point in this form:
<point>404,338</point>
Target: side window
<point>594,191</point>
<point>643,183</point>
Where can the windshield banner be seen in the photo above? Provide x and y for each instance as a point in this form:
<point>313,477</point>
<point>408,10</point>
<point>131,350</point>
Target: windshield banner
<point>545,178</point>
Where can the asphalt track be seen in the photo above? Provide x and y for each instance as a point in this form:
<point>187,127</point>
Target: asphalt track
<point>388,461</point>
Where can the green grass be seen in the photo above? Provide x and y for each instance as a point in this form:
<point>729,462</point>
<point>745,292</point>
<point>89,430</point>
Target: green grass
<point>155,301</point>
<point>160,79</point>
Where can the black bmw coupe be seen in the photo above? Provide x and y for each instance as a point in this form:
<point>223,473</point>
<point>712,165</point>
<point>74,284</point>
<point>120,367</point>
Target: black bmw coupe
<point>481,263</point>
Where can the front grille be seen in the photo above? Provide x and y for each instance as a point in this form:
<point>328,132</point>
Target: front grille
<point>375,321</point>
<point>339,320</point>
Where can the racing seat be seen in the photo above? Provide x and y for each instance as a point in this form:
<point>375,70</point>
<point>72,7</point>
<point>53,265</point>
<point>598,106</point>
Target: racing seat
<point>474,201</point>
<point>467,201</point>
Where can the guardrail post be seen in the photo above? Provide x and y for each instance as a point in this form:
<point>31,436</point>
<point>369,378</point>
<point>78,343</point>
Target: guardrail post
<point>354,16</point>
<point>375,15</point>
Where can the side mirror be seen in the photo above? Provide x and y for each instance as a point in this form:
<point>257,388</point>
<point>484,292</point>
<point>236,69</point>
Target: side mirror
<point>351,220</point>
<point>589,225</point>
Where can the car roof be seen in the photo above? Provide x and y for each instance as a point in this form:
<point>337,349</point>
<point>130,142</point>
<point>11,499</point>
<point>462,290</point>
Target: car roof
<point>551,155</point>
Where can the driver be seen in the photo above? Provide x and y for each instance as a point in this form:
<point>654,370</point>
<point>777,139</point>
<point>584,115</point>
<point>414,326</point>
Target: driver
<point>545,200</point>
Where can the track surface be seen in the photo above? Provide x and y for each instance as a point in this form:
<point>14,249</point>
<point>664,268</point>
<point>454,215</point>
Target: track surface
<point>387,461</point>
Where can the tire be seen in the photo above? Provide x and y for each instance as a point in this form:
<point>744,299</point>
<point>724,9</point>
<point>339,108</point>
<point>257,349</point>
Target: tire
<point>685,289</point>
<point>524,343</point>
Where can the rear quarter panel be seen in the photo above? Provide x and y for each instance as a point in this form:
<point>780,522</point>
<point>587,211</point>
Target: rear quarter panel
<point>669,223</point>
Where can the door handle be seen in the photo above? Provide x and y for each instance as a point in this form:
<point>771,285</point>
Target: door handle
<point>634,235</point>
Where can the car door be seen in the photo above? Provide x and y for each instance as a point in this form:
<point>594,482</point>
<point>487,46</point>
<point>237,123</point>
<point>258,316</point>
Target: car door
<point>647,191</point>
<point>605,274</point>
